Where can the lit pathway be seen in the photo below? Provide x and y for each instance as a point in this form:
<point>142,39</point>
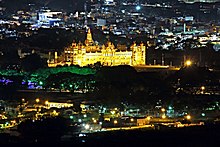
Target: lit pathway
<point>128,128</point>
<point>135,127</point>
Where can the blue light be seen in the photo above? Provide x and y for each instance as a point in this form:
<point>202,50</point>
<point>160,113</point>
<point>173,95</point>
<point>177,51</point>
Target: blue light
<point>138,8</point>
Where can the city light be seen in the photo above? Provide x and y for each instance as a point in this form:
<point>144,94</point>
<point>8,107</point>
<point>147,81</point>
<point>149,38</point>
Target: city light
<point>113,112</point>
<point>37,100</point>
<point>55,113</point>
<point>46,102</point>
<point>150,67</point>
<point>87,126</point>
<point>188,63</point>
<point>163,109</point>
<point>138,8</point>
<point>188,117</point>
<point>41,83</point>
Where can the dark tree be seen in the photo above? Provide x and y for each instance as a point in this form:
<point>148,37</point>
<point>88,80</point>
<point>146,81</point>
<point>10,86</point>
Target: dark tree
<point>33,62</point>
<point>44,130</point>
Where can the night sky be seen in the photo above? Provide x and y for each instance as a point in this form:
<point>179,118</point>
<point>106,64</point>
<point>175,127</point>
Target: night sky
<point>67,5</point>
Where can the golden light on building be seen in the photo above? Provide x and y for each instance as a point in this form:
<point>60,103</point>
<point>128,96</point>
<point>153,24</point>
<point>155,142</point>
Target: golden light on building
<point>163,116</point>
<point>58,104</point>
<point>132,119</point>
<point>163,109</point>
<point>113,112</point>
<point>148,118</point>
<point>115,121</point>
<point>13,121</point>
<point>203,88</point>
<point>55,113</point>
<point>46,102</point>
<point>108,55</point>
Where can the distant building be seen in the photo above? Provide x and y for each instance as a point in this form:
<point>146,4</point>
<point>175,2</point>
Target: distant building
<point>58,105</point>
<point>91,53</point>
<point>109,2</point>
<point>48,18</point>
<point>101,22</point>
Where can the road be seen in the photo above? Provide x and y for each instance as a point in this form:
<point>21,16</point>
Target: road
<point>141,127</point>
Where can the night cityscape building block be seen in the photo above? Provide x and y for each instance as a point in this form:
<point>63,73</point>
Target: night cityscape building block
<point>91,53</point>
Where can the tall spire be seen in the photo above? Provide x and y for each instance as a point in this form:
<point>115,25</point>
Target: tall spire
<point>89,37</point>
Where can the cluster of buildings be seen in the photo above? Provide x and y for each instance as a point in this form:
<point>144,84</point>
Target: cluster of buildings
<point>98,116</point>
<point>154,24</point>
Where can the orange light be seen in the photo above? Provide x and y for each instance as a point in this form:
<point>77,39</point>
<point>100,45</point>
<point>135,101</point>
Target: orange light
<point>188,63</point>
<point>37,100</point>
<point>188,117</point>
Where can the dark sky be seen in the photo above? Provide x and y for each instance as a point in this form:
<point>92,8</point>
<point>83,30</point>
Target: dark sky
<point>68,5</point>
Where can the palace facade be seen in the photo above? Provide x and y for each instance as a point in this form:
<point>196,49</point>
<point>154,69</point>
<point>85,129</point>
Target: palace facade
<point>91,53</point>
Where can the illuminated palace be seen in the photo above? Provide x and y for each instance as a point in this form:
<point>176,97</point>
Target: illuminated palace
<point>90,53</point>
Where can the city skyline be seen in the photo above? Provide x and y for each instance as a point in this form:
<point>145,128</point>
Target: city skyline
<point>111,72</point>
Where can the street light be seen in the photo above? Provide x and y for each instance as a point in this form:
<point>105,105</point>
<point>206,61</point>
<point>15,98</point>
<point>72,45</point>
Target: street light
<point>138,7</point>
<point>163,109</point>
<point>37,100</point>
<point>188,63</point>
<point>79,120</point>
<point>46,102</point>
<point>41,83</point>
<point>188,117</point>
<point>37,105</point>
<point>202,89</point>
<point>87,126</point>
<point>113,112</point>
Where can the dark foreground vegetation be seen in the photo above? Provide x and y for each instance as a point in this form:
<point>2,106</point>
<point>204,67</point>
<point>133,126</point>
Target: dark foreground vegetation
<point>207,135</point>
<point>189,136</point>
